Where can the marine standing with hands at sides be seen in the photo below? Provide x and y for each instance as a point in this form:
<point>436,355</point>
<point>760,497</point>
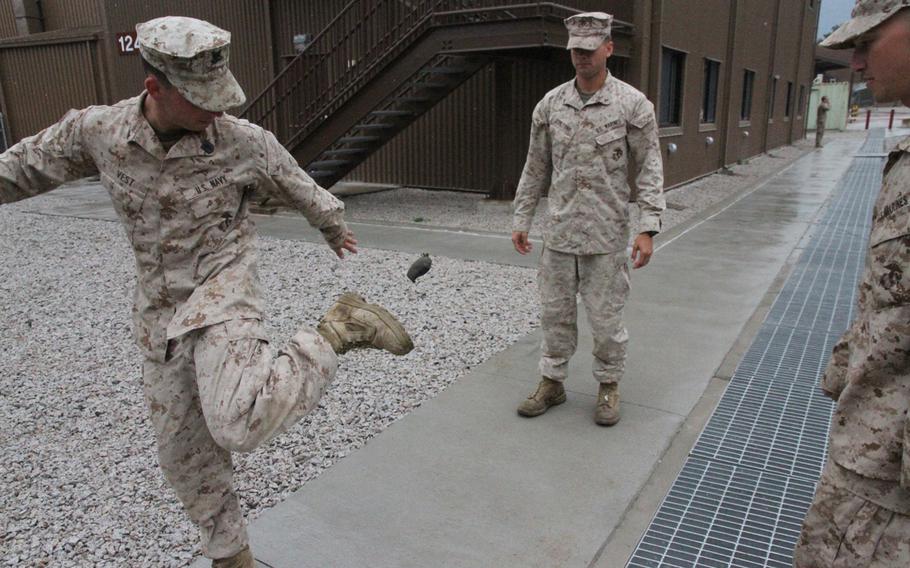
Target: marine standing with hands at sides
<point>860,516</point>
<point>180,172</point>
<point>821,117</point>
<point>585,134</point>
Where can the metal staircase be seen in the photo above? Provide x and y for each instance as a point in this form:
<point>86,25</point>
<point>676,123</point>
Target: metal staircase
<point>380,64</point>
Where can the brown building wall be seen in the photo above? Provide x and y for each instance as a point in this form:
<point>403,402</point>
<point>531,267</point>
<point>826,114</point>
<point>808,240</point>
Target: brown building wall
<point>786,59</point>
<point>57,14</point>
<point>7,20</point>
<point>69,14</point>
<point>694,155</point>
<point>293,17</point>
<point>452,145</point>
<point>755,26</point>
<point>38,85</point>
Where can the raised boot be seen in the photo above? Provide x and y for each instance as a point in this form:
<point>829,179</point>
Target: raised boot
<point>353,323</point>
<point>243,559</point>
<point>549,393</point>
<point>607,411</point>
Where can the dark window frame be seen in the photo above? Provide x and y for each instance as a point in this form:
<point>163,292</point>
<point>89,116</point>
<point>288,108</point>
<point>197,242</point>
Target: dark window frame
<point>672,87</point>
<point>772,98</point>
<point>748,92</point>
<point>788,109</point>
<point>710,88</point>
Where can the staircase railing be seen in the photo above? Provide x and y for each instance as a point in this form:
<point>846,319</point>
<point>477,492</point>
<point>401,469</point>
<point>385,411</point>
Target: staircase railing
<point>350,50</point>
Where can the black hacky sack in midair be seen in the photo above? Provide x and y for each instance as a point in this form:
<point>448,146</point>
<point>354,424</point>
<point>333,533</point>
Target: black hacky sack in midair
<point>420,267</point>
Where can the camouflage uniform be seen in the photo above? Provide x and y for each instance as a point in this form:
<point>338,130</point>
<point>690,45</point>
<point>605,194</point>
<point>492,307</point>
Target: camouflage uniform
<point>580,151</point>
<point>860,516</point>
<point>821,118</point>
<point>209,377</point>
<point>864,496</point>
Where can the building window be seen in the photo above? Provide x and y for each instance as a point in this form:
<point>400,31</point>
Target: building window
<point>672,66</point>
<point>709,92</point>
<point>745,112</point>
<point>789,108</point>
<point>772,94</point>
<point>619,67</point>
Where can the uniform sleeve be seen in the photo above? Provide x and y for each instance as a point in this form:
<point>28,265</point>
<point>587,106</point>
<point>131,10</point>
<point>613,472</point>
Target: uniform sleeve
<point>288,182</point>
<point>647,165</point>
<point>835,377</point>
<point>40,163</point>
<point>537,171</point>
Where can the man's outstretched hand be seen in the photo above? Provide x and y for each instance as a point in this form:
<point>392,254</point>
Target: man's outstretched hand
<point>349,244</point>
<point>642,249</point>
<point>522,243</point>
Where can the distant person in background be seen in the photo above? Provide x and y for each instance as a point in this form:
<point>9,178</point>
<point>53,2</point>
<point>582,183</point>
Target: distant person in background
<point>821,118</point>
<point>860,516</point>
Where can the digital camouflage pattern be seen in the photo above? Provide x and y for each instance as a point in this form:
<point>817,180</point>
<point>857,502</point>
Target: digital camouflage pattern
<point>197,300</point>
<point>854,522</point>
<point>219,391</point>
<point>821,119</point>
<point>603,281</point>
<point>869,371</point>
<point>866,15</point>
<point>860,513</point>
<point>193,55</point>
<point>581,152</point>
<point>588,30</point>
<point>185,211</point>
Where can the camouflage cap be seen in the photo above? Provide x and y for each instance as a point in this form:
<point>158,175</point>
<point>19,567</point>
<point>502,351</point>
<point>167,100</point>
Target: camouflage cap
<point>193,55</point>
<point>866,15</point>
<point>588,30</point>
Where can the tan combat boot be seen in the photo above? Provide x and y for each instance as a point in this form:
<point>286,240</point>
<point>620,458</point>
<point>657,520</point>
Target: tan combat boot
<point>243,559</point>
<point>549,393</point>
<point>607,411</point>
<point>353,323</point>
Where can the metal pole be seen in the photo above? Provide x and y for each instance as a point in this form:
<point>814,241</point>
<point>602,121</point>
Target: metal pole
<point>891,120</point>
<point>868,117</point>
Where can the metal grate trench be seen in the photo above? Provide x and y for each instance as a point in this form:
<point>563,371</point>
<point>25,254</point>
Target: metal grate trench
<point>743,492</point>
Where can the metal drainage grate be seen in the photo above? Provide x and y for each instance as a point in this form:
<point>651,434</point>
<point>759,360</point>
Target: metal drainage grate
<point>719,515</point>
<point>741,496</point>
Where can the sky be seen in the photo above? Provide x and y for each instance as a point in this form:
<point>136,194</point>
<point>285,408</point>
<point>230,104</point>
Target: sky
<point>833,12</point>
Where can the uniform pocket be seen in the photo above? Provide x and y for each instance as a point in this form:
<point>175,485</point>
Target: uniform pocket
<point>890,282</point>
<point>127,199</point>
<point>214,202</point>
<point>612,147</point>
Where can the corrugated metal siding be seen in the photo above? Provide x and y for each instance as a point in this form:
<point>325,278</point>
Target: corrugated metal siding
<point>452,145</point>
<point>7,20</point>
<point>293,17</point>
<point>446,147</point>
<point>247,20</point>
<point>42,82</point>
<point>620,9</point>
<point>68,14</point>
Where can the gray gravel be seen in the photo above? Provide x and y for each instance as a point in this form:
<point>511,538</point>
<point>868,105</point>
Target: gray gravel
<point>79,482</point>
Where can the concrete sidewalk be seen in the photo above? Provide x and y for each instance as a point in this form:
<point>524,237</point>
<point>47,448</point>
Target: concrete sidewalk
<point>465,482</point>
